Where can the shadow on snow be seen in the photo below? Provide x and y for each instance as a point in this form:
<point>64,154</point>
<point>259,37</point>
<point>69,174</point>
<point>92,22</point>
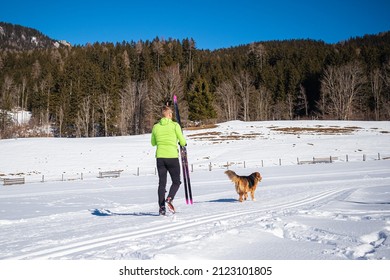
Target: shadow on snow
<point>106,212</point>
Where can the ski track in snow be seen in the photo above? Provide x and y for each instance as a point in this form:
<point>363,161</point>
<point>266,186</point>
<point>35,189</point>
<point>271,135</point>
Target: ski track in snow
<point>266,217</point>
<point>62,251</point>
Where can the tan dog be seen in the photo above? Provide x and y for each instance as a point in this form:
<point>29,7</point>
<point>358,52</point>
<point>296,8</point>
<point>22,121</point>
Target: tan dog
<point>245,184</point>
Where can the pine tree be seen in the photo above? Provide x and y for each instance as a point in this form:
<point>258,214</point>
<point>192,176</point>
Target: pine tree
<point>200,102</point>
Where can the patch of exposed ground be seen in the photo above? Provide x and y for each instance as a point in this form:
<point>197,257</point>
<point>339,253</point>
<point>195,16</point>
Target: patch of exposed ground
<point>332,130</point>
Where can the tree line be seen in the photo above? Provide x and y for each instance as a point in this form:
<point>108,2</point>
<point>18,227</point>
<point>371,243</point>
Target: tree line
<point>106,89</point>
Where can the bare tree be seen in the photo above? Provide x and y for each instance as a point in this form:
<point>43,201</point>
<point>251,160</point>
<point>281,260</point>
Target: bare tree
<point>84,115</point>
<point>104,103</point>
<point>142,90</point>
<point>127,98</point>
<point>166,84</point>
<point>7,101</point>
<point>244,86</point>
<point>386,73</point>
<point>6,104</point>
<point>60,119</point>
<point>133,98</point>
<point>24,96</point>
<point>49,82</point>
<point>78,125</point>
<point>386,93</point>
<point>262,104</point>
<point>93,120</point>
<point>279,111</point>
<point>227,100</point>
<point>339,88</point>
<point>290,102</point>
<point>376,81</point>
<point>302,102</point>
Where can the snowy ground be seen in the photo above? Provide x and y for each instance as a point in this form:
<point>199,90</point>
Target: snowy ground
<point>332,211</point>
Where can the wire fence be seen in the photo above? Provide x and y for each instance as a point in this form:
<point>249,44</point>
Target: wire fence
<point>194,167</point>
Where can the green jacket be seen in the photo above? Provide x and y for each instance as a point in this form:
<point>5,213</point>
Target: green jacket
<point>166,134</point>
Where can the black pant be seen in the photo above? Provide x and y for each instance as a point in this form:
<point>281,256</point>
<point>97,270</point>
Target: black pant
<point>172,166</point>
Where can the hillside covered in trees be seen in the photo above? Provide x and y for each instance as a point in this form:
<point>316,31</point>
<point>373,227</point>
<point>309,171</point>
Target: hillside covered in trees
<point>106,89</point>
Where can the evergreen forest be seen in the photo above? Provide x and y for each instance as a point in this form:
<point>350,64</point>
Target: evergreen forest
<point>112,89</point>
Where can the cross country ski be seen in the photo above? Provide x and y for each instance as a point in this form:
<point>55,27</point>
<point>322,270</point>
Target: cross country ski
<point>184,160</point>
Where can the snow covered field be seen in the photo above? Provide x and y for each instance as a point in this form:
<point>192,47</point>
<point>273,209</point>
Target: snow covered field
<point>327,211</point>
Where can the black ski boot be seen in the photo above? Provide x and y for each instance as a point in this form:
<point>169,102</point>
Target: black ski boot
<point>162,211</point>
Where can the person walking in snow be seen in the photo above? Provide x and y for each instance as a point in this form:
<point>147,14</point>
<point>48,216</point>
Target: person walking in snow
<point>166,134</point>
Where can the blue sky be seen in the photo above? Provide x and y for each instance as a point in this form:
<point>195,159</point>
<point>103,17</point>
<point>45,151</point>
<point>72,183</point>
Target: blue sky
<point>212,24</point>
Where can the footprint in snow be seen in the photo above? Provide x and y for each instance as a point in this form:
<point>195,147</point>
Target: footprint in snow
<point>370,243</point>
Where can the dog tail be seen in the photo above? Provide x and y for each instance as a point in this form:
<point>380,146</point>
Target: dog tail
<point>232,175</point>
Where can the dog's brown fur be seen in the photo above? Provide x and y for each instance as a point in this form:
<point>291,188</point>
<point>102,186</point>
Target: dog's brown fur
<point>242,184</point>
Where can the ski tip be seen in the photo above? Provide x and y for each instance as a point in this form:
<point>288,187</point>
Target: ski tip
<point>191,202</point>
<point>174,98</point>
